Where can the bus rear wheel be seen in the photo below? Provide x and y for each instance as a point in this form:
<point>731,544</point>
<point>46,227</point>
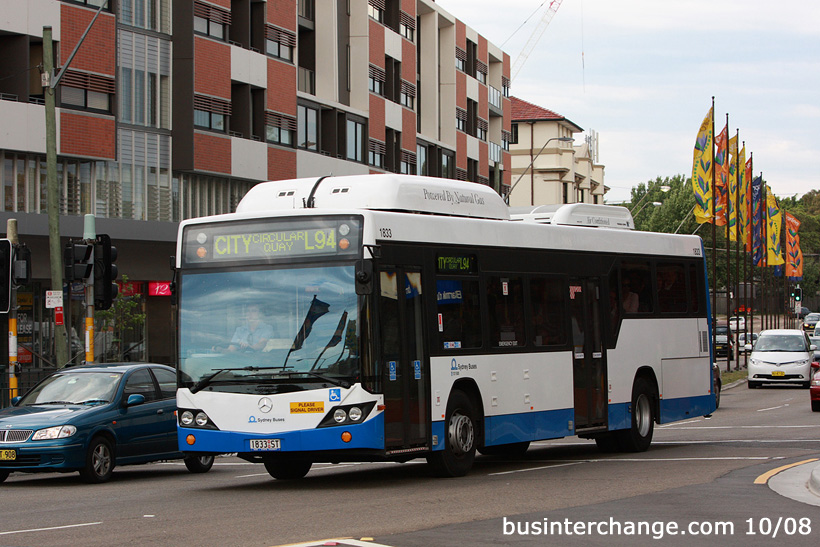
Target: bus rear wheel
<point>285,470</point>
<point>639,436</point>
<point>459,439</point>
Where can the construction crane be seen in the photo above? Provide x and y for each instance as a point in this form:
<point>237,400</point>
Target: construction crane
<point>534,37</point>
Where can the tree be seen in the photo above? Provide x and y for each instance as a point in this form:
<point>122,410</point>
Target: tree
<point>114,324</point>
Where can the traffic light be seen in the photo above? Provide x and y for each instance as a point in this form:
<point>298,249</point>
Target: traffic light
<point>5,275</point>
<point>798,294</point>
<point>77,261</point>
<point>105,273</point>
<point>21,270</point>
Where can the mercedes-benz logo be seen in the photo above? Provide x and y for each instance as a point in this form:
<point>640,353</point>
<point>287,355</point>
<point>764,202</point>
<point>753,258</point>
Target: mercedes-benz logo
<point>265,405</point>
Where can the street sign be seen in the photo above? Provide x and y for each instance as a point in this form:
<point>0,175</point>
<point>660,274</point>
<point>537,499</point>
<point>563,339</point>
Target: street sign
<point>54,299</point>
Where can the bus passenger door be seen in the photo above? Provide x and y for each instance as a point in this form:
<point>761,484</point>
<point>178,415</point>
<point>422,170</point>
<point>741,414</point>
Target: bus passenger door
<point>588,355</point>
<point>403,361</point>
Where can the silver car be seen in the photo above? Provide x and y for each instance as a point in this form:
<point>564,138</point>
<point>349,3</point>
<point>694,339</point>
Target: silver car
<point>781,356</point>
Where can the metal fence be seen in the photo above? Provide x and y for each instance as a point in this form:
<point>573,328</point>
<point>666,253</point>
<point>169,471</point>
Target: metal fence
<point>26,379</point>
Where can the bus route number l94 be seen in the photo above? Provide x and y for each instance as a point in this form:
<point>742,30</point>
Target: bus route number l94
<point>265,444</point>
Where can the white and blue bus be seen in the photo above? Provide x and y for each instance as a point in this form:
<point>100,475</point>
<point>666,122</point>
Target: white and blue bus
<point>392,317</point>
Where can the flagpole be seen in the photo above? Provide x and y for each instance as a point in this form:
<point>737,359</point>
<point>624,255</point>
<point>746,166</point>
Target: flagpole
<point>764,251</point>
<point>714,234</point>
<point>726,219</point>
<point>749,284</point>
<point>737,232</point>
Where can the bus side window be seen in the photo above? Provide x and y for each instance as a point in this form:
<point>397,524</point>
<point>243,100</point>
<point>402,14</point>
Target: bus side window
<point>636,290</point>
<point>505,300</point>
<point>459,313</point>
<point>548,312</point>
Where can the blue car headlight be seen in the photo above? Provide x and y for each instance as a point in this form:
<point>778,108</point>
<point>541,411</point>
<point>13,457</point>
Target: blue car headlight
<point>56,432</point>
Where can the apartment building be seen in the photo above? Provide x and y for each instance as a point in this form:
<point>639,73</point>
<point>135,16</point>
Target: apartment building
<point>547,167</point>
<point>174,109</point>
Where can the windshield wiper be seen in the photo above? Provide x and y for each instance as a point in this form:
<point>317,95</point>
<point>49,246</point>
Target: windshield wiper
<point>54,403</point>
<point>205,382</point>
<point>94,401</point>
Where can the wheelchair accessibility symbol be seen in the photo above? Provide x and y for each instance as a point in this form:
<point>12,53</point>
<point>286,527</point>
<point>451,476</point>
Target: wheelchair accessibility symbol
<point>335,395</point>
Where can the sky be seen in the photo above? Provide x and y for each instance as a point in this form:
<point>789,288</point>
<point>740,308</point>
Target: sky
<point>642,74</point>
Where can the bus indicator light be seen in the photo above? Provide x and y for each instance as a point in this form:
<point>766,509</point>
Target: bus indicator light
<point>344,244</point>
<point>201,252</point>
<point>190,439</point>
<point>347,437</point>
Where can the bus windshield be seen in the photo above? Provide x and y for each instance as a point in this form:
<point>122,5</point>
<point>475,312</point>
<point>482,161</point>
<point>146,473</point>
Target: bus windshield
<point>263,331</point>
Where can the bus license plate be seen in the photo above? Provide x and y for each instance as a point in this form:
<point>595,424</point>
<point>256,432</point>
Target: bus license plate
<point>265,444</point>
<point>8,454</point>
<point>778,373</point>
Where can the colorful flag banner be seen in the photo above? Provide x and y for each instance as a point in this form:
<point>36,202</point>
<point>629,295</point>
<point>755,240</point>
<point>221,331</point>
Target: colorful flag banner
<point>758,257</point>
<point>774,222</point>
<point>721,175</point>
<point>794,256</point>
<point>746,203</point>
<point>702,170</point>
<point>731,197</point>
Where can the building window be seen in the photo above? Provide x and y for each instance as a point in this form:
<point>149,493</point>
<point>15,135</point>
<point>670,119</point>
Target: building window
<point>209,120</point>
<point>505,86</point>
<point>472,57</point>
<point>408,95</point>
<point>461,119</point>
<point>514,134</point>
<point>279,129</point>
<point>145,80</point>
<point>211,113</point>
<point>307,134</point>
<point>211,21</point>
<point>408,163</point>
<point>355,140</point>
<point>279,43</point>
<point>375,154</point>
<point>472,117</point>
<point>85,99</point>
<point>461,59</point>
<point>392,78</point>
<point>481,72</point>
<point>448,164</point>
<point>148,14</point>
<point>481,129</point>
<point>472,170</point>
<point>421,159</point>
<point>376,84</point>
<point>407,26</point>
<point>375,9</point>
<point>87,91</point>
<point>392,158</point>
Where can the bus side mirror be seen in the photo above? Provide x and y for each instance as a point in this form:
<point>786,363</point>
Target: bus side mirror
<point>364,277</point>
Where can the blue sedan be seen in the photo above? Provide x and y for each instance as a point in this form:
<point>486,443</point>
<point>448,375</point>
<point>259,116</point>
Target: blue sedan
<point>93,418</point>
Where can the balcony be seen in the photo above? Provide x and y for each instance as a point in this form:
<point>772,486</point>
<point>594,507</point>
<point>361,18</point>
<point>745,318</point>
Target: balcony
<point>494,101</point>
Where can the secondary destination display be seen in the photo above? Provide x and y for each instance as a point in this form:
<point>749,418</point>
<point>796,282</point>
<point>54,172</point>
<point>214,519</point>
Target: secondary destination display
<point>456,264</point>
<point>266,241</point>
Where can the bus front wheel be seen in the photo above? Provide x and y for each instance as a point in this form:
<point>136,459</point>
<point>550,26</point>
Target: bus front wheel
<point>459,439</point>
<point>287,470</point>
<point>639,436</point>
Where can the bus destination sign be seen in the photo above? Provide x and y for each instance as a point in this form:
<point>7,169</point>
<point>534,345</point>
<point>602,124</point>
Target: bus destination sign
<point>456,264</point>
<point>266,241</point>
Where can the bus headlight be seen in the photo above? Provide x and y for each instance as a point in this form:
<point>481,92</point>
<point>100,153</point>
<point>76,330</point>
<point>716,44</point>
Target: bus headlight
<point>347,414</point>
<point>201,419</point>
<point>186,418</point>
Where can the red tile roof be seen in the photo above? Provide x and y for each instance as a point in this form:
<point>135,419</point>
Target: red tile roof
<point>524,111</point>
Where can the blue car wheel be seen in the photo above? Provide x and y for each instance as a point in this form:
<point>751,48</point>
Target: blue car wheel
<point>99,461</point>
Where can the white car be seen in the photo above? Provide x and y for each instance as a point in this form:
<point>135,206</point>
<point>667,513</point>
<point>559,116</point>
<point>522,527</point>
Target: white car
<point>737,324</point>
<point>781,356</point>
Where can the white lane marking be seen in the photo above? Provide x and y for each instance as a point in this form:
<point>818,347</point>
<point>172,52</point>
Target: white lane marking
<point>49,528</point>
<point>748,427</point>
<point>772,408</point>
<point>538,468</point>
<point>665,426</point>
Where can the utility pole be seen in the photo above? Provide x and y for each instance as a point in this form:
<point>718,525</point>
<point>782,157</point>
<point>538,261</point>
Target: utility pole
<point>52,192</point>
